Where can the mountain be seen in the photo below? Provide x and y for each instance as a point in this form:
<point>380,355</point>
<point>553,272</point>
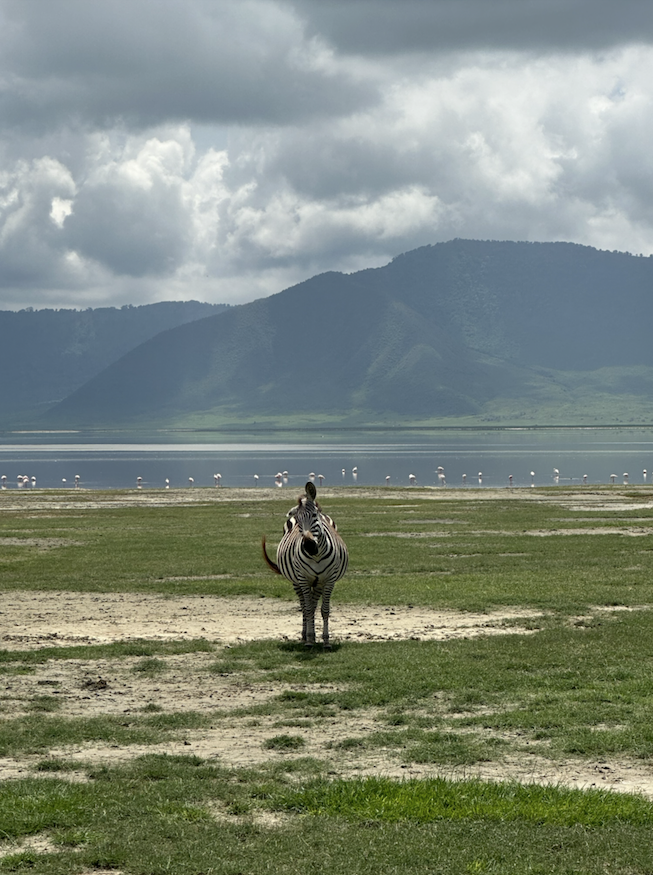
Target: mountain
<point>46,354</point>
<point>464,330</point>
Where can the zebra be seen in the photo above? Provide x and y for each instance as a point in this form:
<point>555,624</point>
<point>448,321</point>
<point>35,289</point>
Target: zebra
<point>312,556</point>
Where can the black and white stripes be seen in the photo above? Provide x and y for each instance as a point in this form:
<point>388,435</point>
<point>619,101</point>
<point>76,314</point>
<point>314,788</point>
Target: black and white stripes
<point>312,556</point>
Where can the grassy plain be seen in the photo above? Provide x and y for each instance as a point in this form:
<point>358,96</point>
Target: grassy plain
<point>577,686</point>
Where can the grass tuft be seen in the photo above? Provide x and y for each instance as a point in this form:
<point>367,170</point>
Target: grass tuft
<point>284,743</point>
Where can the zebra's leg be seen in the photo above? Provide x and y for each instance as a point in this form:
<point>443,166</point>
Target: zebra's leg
<point>308,613</point>
<point>301,594</point>
<point>326,610</point>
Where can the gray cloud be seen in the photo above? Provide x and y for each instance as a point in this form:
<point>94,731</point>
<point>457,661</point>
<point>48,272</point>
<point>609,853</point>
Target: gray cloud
<point>153,61</point>
<point>224,149</point>
<point>380,27</point>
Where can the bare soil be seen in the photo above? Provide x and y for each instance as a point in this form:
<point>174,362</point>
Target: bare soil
<point>37,619</point>
<point>88,688</point>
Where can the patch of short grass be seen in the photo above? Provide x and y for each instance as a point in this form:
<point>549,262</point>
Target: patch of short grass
<point>56,764</point>
<point>151,666</point>
<point>184,815</point>
<point>44,704</point>
<point>423,801</point>
<point>284,743</point>
<point>466,554</point>
<point>421,746</point>
<point>34,734</point>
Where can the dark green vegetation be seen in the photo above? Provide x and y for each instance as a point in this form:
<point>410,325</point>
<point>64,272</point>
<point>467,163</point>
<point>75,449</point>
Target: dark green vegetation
<point>576,686</point>
<point>47,354</point>
<point>179,814</point>
<point>459,332</point>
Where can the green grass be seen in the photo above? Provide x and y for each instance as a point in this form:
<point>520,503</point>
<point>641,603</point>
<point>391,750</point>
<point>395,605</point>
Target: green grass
<point>463,554</point>
<point>39,733</point>
<point>577,686</point>
<point>284,743</point>
<point>424,801</point>
<point>180,814</point>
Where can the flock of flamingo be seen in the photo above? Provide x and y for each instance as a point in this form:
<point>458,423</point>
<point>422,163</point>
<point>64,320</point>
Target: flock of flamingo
<point>281,478</point>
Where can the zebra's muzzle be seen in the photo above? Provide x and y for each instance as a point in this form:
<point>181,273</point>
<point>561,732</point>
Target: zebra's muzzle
<point>309,544</point>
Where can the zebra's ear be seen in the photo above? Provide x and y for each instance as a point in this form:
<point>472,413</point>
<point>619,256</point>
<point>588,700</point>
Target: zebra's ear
<point>311,492</point>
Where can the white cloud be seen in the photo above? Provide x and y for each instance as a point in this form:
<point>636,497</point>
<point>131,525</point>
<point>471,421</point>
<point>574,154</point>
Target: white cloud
<point>61,207</point>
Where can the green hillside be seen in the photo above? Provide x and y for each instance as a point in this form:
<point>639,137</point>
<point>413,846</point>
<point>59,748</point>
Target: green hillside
<point>47,354</point>
<point>464,331</point>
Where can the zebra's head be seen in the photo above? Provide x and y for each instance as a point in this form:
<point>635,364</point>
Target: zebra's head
<point>306,516</point>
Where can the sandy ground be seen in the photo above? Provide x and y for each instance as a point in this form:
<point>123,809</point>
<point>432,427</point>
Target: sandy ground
<point>38,619</point>
<point>117,686</point>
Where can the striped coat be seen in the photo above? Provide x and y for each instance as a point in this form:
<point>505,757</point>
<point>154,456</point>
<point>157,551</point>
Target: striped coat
<point>312,556</point>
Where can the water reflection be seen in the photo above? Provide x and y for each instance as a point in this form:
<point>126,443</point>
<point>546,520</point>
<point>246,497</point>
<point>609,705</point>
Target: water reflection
<point>501,458</point>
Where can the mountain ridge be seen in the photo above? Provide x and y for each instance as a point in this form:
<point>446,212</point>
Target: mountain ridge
<point>463,329</point>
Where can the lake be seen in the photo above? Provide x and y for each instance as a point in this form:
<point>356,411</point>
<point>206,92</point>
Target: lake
<point>104,462</point>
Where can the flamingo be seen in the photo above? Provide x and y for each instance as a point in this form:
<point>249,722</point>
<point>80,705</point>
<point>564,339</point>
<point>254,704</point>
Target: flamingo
<point>532,478</point>
<point>613,477</point>
<point>255,479</point>
<point>387,480</point>
<point>4,481</point>
<point>217,478</point>
<point>644,473</point>
<point>584,478</point>
<point>464,479</point>
<point>311,476</point>
<point>33,482</point>
<point>191,482</point>
<point>440,473</point>
<point>354,472</point>
<point>167,483</point>
<point>625,478</point>
<point>412,480</point>
<point>510,479</point>
<point>139,482</point>
<point>77,479</point>
<point>320,477</point>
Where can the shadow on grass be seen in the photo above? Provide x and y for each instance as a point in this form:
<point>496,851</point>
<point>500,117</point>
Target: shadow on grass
<point>304,652</point>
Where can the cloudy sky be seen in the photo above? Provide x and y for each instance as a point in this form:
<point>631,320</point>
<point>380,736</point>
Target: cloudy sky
<point>222,150</point>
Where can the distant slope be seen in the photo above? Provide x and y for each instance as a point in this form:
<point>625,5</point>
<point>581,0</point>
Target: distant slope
<point>444,331</point>
<point>47,354</point>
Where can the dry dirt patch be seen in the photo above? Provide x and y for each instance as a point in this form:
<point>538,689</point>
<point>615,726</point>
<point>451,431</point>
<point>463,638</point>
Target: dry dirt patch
<point>35,619</point>
<point>40,844</point>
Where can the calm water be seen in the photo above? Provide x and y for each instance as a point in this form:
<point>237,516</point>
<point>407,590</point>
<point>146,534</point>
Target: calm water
<point>596,453</point>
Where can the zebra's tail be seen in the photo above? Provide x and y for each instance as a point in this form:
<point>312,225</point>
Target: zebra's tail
<point>269,562</point>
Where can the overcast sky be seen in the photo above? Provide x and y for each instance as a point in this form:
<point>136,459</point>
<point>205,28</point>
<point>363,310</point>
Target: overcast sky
<point>222,150</point>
